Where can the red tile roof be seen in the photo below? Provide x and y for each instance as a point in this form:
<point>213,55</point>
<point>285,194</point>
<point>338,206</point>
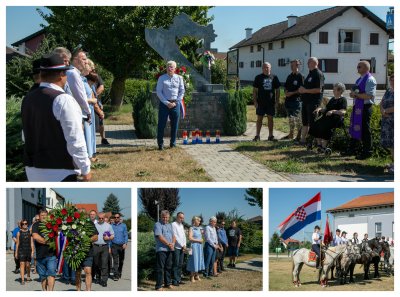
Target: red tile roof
<point>88,207</point>
<point>367,201</point>
<point>287,241</point>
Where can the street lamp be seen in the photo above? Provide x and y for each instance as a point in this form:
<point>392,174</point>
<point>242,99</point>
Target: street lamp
<point>158,209</point>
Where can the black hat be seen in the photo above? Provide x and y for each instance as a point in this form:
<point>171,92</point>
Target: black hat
<point>317,227</point>
<point>53,62</point>
<point>36,66</point>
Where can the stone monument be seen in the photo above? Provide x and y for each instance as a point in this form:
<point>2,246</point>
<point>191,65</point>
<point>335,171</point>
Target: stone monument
<point>206,111</point>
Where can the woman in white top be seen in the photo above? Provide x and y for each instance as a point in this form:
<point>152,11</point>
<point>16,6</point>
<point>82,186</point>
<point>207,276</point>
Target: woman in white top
<point>316,244</point>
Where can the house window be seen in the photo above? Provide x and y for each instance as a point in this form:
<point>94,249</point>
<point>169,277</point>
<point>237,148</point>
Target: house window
<point>241,65</point>
<point>374,39</point>
<point>258,47</point>
<point>258,63</point>
<point>372,62</point>
<point>252,64</point>
<point>282,43</point>
<point>323,37</point>
<point>251,49</point>
<point>329,65</point>
<point>378,229</point>
<point>270,46</point>
<point>281,62</point>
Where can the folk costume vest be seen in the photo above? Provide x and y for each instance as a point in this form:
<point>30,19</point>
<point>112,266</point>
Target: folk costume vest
<point>355,129</point>
<point>45,144</point>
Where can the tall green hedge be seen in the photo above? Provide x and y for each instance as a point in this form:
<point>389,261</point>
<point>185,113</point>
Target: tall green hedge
<point>14,146</point>
<point>144,114</point>
<point>235,122</point>
<point>146,255</point>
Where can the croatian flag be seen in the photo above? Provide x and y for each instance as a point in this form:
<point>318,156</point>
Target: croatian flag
<point>301,217</point>
<point>61,244</point>
<point>183,108</point>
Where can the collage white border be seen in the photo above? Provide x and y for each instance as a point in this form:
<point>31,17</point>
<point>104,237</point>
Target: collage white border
<point>135,186</point>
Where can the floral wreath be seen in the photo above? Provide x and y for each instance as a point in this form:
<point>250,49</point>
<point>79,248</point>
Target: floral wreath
<point>68,232</point>
<point>207,59</point>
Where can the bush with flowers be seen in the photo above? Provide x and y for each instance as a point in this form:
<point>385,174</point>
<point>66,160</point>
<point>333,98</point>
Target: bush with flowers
<point>182,71</point>
<point>74,228</point>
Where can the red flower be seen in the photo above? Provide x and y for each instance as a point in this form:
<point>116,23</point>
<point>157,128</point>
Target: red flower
<point>49,225</point>
<point>51,235</point>
<point>64,212</point>
<point>177,70</point>
<point>161,68</point>
<point>59,221</point>
<point>69,220</point>
<point>55,228</point>
<point>183,68</point>
<point>77,215</point>
<point>51,217</point>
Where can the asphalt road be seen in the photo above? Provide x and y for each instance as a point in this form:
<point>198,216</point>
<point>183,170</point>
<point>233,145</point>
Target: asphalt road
<point>13,281</point>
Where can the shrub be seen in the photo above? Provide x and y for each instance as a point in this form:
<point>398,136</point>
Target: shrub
<point>146,255</point>
<point>14,146</point>
<point>218,72</point>
<point>144,114</point>
<point>252,237</point>
<point>341,138</point>
<point>145,223</point>
<point>235,114</point>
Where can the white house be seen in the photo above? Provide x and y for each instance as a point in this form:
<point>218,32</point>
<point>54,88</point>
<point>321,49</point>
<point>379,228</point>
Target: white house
<point>339,37</point>
<point>53,199</point>
<point>372,214</point>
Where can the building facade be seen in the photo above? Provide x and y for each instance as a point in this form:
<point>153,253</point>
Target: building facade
<point>371,214</point>
<point>339,37</point>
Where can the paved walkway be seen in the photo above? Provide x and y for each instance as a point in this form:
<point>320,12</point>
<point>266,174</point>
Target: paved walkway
<point>255,264</point>
<point>224,164</point>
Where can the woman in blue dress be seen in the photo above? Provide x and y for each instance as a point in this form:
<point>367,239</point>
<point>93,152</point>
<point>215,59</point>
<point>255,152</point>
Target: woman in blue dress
<point>89,128</point>
<point>196,259</point>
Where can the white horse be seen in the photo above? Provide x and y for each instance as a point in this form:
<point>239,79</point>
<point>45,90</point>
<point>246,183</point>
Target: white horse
<point>300,257</point>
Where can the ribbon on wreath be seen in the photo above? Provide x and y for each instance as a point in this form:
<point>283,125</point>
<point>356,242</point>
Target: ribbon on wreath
<point>61,244</point>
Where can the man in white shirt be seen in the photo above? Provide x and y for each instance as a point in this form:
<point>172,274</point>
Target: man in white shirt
<point>180,247</point>
<point>55,148</point>
<point>337,240</point>
<point>316,245</point>
<point>210,247</point>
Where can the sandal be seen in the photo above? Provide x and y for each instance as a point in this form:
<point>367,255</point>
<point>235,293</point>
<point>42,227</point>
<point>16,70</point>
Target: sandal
<point>28,279</point>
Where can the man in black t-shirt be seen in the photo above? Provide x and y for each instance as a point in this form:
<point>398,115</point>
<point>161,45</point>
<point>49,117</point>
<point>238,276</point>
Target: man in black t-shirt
<point>46,261</point>
<point>293,100</point>
<point>311,95</point>
<point>234,240</point>
<point>265,96</point>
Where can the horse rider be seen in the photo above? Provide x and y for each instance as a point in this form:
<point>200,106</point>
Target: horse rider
<point>343,237</point>
<point>355,239</point>
<point>337,240</point>
<point>316,245</point>
<point>365,237</point>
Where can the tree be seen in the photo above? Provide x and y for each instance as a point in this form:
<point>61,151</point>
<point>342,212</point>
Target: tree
<point>275,242</point>
<point>254,197</point>
<point>167,199</point>
<point>114,35</point>
<point>221,216</point>
<point>145,223</point>
<point>111,204</point>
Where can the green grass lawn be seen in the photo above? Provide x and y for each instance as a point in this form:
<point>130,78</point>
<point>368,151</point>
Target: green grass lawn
<point>280,123</point>
<point>285,157</point>
<point>123,116</point>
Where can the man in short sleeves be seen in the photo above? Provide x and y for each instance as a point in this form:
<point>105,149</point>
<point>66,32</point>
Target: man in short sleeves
<point>234,241</point>
<point>265,96</point>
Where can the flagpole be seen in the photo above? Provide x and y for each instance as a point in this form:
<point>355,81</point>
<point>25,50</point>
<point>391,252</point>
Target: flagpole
<point>320,245</point>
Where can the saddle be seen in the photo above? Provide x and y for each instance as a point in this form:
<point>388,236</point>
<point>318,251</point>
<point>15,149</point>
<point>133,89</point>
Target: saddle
<point>312,256</point>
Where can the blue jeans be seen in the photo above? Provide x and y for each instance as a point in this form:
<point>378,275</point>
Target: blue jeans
<point>209,257</point>
<point>163,113</point>
<point>163,269</point>
<point>46,267</point>
<point>68,273</point>
<point>177,265</point>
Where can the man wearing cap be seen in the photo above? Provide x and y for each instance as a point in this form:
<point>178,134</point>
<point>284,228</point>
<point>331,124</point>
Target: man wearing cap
<point>293,100</point>
<point>55,148</point>
<point>265,96</point>
<point>316,245</point>
<point>311,96</point>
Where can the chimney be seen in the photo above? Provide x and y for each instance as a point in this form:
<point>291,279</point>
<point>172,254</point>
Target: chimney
<point>291,20</point>
<point>249,33</point>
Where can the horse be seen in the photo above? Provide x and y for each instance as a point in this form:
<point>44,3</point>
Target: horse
<point>364,257</point>
<point>350,256</point>
<point>387,265</point>
<point>376,248</point>
<point>300,257</point>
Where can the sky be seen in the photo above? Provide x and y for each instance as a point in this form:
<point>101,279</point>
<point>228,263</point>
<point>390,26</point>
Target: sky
<point>229,21</point>
<point>208,202</point>
<point>99,195</point>
<point>282,202</point>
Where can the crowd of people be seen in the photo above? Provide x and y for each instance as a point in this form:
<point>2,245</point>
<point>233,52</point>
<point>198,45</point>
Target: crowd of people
<point>58,117</point>
<point>309,115</point>
<point>104,260</point>
<point>203,248</point>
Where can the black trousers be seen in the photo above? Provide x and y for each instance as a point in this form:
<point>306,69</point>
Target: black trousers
<point>70,178</point>
<point>100,257</point>
<point>163,268</point>
<point>118,254</point>
<point>221,259</point>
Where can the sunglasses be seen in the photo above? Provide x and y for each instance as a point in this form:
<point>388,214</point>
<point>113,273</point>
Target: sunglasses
<point>117,217</point>
<point>24,223</point>
<point>101,219</point>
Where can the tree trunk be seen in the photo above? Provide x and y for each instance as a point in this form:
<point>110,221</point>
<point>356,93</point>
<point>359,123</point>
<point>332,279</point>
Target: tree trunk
<point>117,92</point>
